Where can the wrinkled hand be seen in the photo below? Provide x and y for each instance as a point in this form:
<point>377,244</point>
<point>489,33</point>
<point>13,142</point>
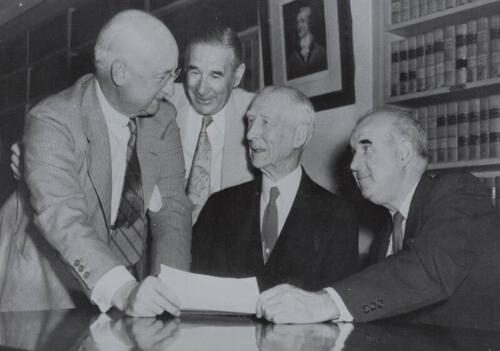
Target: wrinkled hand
<point>149,298</point>
<point>288,304</point>
<point>16,163</point>
<point>296,337</point>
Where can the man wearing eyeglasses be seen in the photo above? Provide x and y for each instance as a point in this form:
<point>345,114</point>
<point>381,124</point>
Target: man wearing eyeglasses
<point>211,114</point>
<point>98,157</point>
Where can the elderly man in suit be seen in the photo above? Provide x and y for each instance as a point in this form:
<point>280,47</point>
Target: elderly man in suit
<point>211,114</point>
<point>98,157</point>
<point>281,227</point>
<point>437,262</point>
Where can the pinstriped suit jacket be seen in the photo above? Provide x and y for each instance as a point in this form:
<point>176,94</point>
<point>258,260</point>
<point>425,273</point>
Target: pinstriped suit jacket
<point>68,173</point>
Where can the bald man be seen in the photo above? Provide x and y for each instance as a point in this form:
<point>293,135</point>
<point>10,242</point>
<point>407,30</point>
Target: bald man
<point>99,156</point>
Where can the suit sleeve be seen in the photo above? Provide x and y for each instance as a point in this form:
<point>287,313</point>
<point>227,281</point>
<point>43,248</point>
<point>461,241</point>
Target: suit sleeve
<point>427,271</point>
<point>171,226</point>
<point>203,237</point>
<point>60,209</point>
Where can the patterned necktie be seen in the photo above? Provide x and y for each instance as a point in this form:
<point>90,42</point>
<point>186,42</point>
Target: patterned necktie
<point>270,223</point>
<point>397,232</point>
<point>129,223</point>
<point>198,183</point>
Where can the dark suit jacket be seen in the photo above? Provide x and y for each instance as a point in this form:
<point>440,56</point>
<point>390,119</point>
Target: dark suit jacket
<point>318,242</point>
<point>448,272</point>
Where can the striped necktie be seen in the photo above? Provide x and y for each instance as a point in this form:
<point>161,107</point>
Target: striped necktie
<point>397,232</point>
<point>270,223</point>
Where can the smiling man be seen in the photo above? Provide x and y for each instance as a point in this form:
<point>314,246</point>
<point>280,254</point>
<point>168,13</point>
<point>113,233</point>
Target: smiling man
<point>210,114</point>
<point>99,156</point>
<point>281,227</point>
<point>436,262</point>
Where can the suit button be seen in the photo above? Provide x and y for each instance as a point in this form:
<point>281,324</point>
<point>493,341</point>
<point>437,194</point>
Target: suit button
<point>81,268</point>
<point>373,307</point>
<point>76,263</point>
<point>380,303</point>
<point>366,308</point>
<point>86,275</point>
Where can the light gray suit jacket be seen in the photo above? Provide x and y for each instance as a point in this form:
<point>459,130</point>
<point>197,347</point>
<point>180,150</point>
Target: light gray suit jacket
<point>68,174</point>
<point>236,166</point>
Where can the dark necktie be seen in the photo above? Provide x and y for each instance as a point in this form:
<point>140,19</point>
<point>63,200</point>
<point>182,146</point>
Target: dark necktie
<point>198,183</point>
<point>397,232</point>
<point>270,223</point>
<point>129,223</point>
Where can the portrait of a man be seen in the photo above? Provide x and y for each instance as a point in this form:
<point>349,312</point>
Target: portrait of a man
<point>305,44</point>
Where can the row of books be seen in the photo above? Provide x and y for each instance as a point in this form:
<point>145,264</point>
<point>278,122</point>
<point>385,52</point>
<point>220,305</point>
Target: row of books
<point>493,186</point>
<point>446,57</point>
<point>462,130</point>
<point>405,10</point>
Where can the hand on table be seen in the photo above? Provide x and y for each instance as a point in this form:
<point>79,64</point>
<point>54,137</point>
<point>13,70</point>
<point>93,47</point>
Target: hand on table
<point>288,304</point>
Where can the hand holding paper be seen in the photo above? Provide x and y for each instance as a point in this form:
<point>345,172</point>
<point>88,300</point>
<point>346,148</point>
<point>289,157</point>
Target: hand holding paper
<point>203,293</point>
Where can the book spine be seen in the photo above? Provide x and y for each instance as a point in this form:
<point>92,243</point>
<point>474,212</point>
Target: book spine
<point>495,45</point>
<point>449,56</point>
<point>442,144</point>
<point>423,9</point>
<point>439,58</point>
<point>483,48</point>
<point>412,65</point>
<point>484,128</point>
<point>440,5</point>
<point>497,198</point>
<point>432,137</point>
<point>494,119</point>
<point>396,11</point>
<point>395,76</point>
<point>403,66</point>
<point>463,130</point>
<point>452,131</point>
<point>451,3</point>
<point>430,78</point>
<point>420,57</point>
<point>414,7</point>
<point>472,51</point>
<point>474,131</point>
<point>422,119</point>
<point>461,53</point>
<point>405,10</point>
<point>431,6</point>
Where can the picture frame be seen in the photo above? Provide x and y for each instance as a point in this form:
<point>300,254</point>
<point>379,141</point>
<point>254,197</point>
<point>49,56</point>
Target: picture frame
<point>307,44</point>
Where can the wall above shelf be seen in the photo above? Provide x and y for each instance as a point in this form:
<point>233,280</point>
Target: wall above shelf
<point>455,15</point>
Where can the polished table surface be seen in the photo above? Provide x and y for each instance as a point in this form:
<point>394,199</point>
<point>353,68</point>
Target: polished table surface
<point>87,330</point>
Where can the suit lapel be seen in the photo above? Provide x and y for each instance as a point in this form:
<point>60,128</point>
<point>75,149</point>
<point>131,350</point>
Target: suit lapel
<point>98,152</point>
<point>416,205</point>
<point>243,245</point>
<point>233,157</point>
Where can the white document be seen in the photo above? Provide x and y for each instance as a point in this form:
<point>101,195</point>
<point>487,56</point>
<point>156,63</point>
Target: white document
<point>205,293</point>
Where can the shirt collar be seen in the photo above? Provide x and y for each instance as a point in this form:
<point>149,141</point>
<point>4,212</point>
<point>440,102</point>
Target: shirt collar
<point>218,119</point>
<point>405,205</point>
<point>111,115</point>
<point>287,185</point>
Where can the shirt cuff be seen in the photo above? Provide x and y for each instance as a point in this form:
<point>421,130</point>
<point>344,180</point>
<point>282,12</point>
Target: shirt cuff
<point>106,287</point>
<point>344,314</point>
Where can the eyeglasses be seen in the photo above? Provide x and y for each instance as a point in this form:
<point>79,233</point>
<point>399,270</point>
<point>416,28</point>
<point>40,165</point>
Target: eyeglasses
<point>172,75</point>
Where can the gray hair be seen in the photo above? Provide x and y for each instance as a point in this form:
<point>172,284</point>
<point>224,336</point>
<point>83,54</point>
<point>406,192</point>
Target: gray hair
<point>403,127</point>
<point>218,35</point>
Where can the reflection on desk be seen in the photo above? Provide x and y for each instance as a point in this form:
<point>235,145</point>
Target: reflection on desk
<point>87,330</point>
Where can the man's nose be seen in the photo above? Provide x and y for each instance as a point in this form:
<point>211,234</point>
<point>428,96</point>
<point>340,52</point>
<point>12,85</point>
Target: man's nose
<point>202,86</point>
<point>355,162</point>
<point>168,89</point>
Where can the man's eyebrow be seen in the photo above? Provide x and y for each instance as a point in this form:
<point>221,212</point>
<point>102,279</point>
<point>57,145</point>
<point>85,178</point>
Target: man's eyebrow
<point>365,142</point>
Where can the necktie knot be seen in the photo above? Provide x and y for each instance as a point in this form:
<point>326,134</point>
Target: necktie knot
<point>397,232</point>
<point>273,194</point>
<point>206,122</point>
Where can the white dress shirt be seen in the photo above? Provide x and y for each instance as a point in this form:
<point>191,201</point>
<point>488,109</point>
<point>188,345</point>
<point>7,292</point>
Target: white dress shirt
<point>119,134</point>
<point>288,187</point>
<point>215,132</point>
<point>344,314</point>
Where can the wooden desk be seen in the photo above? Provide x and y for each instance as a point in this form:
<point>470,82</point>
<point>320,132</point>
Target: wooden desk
<point>87,330</point>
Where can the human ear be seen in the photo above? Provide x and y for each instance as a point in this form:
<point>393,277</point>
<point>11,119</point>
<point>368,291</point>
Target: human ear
<point>301,136</point>
<point>238,74</point>
<point>118,72</point>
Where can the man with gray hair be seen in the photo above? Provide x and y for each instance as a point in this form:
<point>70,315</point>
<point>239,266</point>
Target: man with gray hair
<point>99,156</point>
<point>281,227</point>
<point>436,262</point>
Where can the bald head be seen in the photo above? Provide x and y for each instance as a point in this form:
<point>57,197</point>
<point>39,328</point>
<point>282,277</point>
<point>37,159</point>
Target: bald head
<point>133,35</point>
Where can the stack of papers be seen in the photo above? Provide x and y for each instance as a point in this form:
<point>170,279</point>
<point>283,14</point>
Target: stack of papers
<point>208,294</point>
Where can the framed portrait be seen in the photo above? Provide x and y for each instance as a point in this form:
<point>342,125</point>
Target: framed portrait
<point>307,44</point>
